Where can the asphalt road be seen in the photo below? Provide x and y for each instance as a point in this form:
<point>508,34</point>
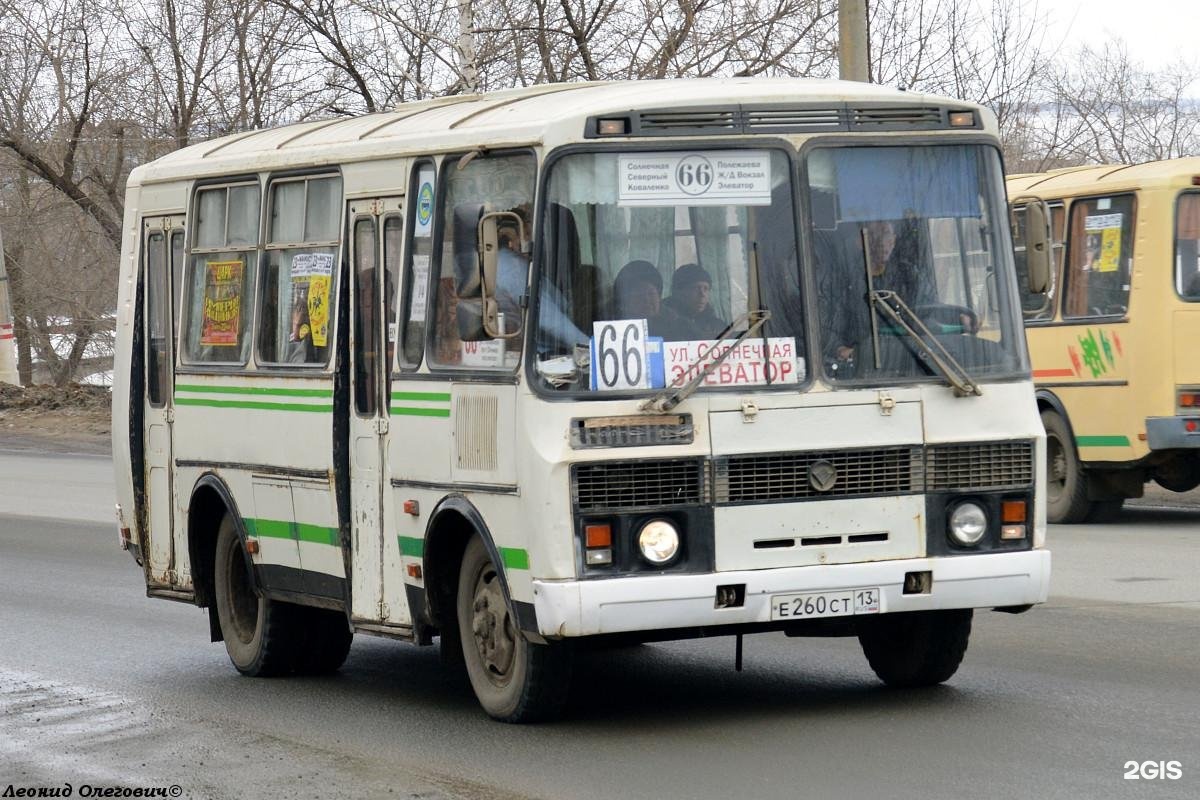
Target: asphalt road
<point>100,686</point>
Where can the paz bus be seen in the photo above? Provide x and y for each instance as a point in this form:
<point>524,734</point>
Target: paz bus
<point>578,365</point>
<point>1117,382</point>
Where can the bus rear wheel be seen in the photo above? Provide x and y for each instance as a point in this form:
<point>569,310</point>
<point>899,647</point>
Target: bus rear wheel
<point>514,679</point>
<point>913,649</point>
<point>1066,485</point>
<point>258,632</point>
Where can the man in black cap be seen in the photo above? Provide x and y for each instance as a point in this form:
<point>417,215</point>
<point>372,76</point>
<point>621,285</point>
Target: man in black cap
<point>691,301</point>
<point>637,294</point>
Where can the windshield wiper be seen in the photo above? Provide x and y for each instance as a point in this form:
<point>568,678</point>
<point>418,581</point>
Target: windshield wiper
<point>673,395</point>
<point>896,310</point>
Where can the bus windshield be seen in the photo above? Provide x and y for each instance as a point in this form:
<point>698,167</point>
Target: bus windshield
<point>656,262</point>
<point>923,225</point>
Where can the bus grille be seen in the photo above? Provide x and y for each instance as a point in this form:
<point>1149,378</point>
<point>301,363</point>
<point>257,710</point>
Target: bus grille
<point>627,485</point>
<point>989,465</point>
<point>910,117</point>
<point>786,476</point>
<point>786,118</point>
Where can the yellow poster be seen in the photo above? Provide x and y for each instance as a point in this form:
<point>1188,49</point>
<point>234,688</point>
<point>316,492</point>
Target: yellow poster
<point>311,279</point>
<point>318,309</point>
<point>222,303</point>
<point>1110,250</point>
<point>1103,242</point>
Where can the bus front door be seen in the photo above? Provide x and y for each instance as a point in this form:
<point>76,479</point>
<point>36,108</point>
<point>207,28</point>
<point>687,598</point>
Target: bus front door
<point>374,258</point>
<point>162,264</point>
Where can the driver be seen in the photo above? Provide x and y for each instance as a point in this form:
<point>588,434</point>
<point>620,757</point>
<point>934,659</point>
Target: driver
<point>894,261</point>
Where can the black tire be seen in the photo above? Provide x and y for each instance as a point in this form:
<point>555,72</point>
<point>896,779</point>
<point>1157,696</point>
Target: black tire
<point>920,648</point>
<point>514,679</point>
<point>259,633</point>
<point>323,640</point>
<point>1178,475</point>
<point>1066,484</point>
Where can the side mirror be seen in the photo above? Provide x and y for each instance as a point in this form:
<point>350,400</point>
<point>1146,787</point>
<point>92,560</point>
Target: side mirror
<point>498,323</point>
<point>1037,242</point>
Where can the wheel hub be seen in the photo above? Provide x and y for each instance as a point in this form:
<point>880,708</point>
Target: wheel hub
<point>492,627</point>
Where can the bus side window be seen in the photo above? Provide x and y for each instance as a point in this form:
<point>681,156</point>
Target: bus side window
<point>1100,257</point>
<point>393,237</point>
<point>415,285</point>
<point>299,280</point>
<point>1187,246</point>
<point>219,290</point>
<point>473,187</point>
<point>156,320</point>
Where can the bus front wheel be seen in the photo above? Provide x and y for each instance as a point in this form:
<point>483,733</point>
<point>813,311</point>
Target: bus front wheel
<point>1066,485</point>
<point>258,633</point>
<point>913,649</point>
<point>515,680</point>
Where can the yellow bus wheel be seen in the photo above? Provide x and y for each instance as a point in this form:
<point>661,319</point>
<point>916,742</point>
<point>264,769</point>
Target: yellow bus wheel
<point>1066,485</point>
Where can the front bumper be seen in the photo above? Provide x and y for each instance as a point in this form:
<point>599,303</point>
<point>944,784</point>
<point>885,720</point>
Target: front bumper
<point>662,602</point>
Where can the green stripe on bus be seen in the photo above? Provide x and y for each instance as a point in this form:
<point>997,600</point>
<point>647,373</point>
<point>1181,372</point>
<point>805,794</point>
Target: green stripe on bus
<point>253,390</point>
<point>439,397</point>
<point>316,534</point>
<point>407,411</point>
<point>297,531</point>
<point>269,528</point>
<point>411,546</point>
<point>514,557</point>
<point>197,401</point>
<point>1102,441</point>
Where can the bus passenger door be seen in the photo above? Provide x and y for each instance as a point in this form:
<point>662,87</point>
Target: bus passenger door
<point>162,261</point>
<point>370,286</point>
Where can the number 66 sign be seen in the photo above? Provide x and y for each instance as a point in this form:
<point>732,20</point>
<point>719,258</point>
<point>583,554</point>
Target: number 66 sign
<point>624,357</point>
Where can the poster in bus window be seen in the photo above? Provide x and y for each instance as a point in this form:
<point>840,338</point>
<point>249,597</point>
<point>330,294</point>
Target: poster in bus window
<point>222,303</point>
<point>1102,242</point>
<point>311,276</point>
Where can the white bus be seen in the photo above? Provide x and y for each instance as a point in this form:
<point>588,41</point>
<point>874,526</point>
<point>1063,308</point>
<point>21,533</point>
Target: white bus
<point>582,363</point>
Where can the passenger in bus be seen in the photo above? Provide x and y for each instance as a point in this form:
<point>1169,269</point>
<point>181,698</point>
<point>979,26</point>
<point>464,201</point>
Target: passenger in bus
<point>512,276</point>
<point>637,294</point>
<point>691,301</point>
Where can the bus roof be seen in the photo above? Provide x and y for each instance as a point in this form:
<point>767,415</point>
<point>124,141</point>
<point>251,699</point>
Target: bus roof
<point>1090,179</point>
<point>554,114</point>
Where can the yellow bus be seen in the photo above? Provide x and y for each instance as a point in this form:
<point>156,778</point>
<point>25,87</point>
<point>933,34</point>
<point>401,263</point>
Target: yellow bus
<point>1112,340</point>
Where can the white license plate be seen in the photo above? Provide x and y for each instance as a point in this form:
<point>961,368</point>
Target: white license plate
<point>843,603</point>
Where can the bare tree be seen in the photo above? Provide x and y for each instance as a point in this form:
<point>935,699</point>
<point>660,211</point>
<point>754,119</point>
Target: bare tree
<point>1106,107</point>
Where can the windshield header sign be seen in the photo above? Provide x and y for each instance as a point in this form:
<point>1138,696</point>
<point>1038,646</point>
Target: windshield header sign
<point>710,178</point>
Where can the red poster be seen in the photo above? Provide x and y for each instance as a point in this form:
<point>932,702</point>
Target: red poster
<point>222,303</point>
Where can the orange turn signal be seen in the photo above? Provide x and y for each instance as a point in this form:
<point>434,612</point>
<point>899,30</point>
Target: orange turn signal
<point>252,546</point>
<point>1012,511</point>
<point>598,535</point>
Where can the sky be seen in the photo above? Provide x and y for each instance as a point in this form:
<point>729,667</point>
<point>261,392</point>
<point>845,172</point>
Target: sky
<point>1156,31</point>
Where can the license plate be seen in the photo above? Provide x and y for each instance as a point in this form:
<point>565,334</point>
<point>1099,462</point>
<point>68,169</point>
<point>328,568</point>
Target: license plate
<point>811,605</point>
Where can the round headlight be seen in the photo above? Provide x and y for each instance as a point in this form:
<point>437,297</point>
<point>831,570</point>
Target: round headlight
<point>659,541</point>
<point>968,524</point>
